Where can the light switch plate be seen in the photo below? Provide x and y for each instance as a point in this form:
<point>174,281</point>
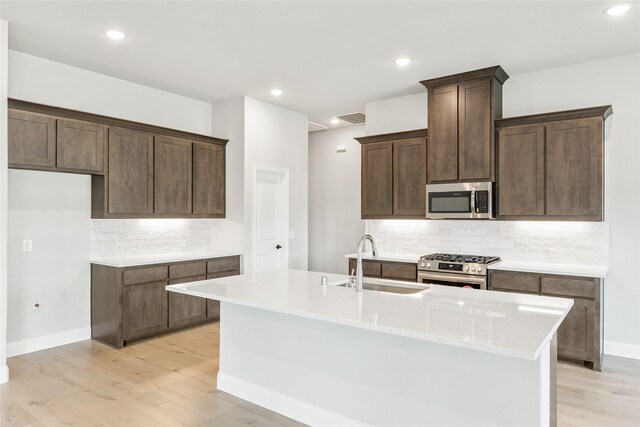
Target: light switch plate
<point>27,245</point>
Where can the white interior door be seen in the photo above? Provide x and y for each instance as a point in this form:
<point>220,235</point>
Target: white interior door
<point>271,221</point>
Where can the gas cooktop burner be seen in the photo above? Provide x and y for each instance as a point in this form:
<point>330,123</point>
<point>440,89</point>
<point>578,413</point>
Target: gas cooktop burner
<point>468,259</point>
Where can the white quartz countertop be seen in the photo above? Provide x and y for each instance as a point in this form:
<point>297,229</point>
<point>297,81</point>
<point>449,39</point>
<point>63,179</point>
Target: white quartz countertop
<point>531,267</point>
<point>563,269</point>
<point>509,324</point>
<point>383,256</point>
<point>136,260</point>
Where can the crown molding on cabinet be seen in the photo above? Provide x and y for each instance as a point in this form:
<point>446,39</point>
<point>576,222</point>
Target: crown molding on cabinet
<point>603,111</point>
<point>496,71</point>
<point>110,121</point>
<point>417,133</point>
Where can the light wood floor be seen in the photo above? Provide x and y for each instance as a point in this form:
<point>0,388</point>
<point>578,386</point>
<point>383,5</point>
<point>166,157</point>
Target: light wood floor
<point>171,381</point>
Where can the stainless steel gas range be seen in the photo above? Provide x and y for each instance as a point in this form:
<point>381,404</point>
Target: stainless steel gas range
<point>455,270</point>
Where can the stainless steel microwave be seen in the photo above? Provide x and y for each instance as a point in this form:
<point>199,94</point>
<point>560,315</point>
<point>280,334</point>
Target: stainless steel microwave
<point>464,200</point>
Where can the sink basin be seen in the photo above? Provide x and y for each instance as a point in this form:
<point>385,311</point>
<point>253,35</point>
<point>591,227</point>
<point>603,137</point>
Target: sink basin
<point>414,289</point>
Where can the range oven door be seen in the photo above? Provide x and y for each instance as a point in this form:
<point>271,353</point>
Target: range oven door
<point>466,200</point>
<point>451,279</point>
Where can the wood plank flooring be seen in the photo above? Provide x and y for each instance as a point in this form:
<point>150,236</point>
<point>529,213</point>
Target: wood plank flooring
<point>171,381</point>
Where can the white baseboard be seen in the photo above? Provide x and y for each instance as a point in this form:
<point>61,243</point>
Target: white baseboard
<point>4,374</point>
<point>17,348</point>
<point>282,404</point>
<point>621,349</point>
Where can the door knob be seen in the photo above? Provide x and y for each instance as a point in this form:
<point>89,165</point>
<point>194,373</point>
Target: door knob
<point>278,246</point>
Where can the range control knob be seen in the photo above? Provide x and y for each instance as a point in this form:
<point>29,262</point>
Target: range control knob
<point>428,265</point>
<point>473,269</point>
<point>479,270</point>
<point>466,268</point>
<point>422,263</point>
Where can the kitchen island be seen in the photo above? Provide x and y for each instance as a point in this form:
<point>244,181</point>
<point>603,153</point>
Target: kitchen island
<point>333,356</point>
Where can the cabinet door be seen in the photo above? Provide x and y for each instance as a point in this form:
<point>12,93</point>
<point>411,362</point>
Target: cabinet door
<point>377,180</point>
<point>208,179</point>
<point>130,172</point>
<point>80,145</point>
<point>443,134</point>
<point>575,335</point>
<point>574,167</point>
<point>144,310</point>
<point>409,177</point>
<point>475,130</point>
<point>172,175</point>
<point>186,310</point>
<point>521,170</point>
<point>32,139</point>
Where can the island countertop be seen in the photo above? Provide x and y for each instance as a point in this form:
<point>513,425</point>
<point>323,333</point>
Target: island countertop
<point>509,324</point>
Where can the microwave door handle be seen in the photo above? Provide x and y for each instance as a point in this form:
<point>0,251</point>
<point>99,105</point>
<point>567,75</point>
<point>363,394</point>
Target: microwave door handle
<point>473,202</point>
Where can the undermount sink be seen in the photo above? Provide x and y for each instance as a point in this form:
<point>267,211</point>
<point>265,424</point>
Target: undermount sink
<point>391,288</point>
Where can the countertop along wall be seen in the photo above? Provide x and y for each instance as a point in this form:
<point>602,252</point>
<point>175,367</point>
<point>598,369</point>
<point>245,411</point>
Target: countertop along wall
<point>53,209</point>
<point>612,81</point>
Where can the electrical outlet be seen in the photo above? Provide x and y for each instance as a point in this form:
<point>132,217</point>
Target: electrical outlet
<point>27,246</point>
<point>341,148</point>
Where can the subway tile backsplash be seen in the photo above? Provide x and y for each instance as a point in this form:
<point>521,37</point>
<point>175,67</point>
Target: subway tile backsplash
<point>125,237</point>
<point>574,243</point>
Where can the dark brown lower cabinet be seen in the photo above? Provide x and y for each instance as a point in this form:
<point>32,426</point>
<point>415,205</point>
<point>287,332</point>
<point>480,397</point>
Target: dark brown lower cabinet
<point>144,310</point>
<point>131,303</point>
<point>387,270</point>
<point>580,335</point>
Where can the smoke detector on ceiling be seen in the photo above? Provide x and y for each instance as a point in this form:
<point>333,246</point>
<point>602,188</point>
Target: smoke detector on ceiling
<point>353,118</point>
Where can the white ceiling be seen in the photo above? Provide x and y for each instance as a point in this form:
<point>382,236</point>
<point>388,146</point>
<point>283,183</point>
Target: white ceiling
<point>328,57</point>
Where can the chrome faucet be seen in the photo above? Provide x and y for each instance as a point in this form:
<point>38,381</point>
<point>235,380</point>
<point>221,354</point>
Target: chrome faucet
<point>359,275</point>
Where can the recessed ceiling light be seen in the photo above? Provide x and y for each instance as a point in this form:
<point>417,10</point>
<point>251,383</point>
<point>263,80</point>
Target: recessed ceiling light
<point>619,9</point>
<point>115,34</point>
<point>335,121</point>
<point>402,62</point>
<point>276,92</point>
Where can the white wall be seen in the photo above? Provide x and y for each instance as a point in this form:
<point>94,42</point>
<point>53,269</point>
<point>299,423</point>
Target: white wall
<point>613,81</point>
<point>397,114</point>
<point>277,137</point>
<point>228,122</point>
<point>4,49</point>
<point>335,226</point>
<point>61,224</point>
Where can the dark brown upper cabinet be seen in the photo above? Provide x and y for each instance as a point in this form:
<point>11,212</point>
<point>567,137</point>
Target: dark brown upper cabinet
<point>394,175</point>
<point>32,140</point>
<point>551,166</point>
<point>461,113</point>
<point>130,172</point>
<point>138,170</point>
<point>173,175</point>
<point>208,179</point>
<point>80,146</point>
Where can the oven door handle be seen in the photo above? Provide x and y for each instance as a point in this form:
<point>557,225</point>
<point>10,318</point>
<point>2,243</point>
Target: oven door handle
<point>452,278</point>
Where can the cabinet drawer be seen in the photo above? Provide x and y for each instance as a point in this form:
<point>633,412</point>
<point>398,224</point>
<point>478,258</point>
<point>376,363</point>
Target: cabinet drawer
<point>144,275</point>
<point>369,268</point>
<point>178,271</point>
<point>187,279</point>
<point>223,274</point>
<point>400,271</point>
<point>570,286</point>
<point>515,281</point>
<point>223,264</point>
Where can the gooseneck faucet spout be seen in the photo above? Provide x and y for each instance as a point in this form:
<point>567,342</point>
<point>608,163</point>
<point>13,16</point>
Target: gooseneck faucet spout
<point>359,275</point>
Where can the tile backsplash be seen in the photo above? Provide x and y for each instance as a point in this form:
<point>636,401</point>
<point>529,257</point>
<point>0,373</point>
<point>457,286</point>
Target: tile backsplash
<point>124,237</point>
<point>575,243</point>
